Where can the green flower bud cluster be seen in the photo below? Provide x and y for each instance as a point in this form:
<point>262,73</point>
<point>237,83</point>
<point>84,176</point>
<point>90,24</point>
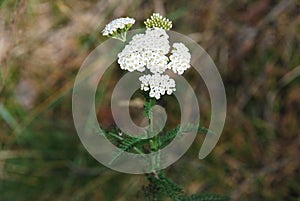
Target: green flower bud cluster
<point>156,20</point>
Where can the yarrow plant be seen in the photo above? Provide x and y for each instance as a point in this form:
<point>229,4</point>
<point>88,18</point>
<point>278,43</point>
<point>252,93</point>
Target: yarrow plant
<point>152,54</point>
<point>148,53</point>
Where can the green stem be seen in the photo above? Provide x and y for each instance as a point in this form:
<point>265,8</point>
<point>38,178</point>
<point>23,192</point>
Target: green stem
<point>154,142</point>
<point>121,36</point>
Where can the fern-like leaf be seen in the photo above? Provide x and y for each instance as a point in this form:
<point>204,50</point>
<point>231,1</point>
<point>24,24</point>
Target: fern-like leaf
<point>125,145</point>
<point>168,137</point>
<point>161,186</point>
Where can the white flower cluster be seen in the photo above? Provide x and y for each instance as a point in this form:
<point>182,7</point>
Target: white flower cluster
<point>146,51</point>
<point>157,84</point>
<point>120,23</point>
<point>149,52</point>
<point>180,58</point>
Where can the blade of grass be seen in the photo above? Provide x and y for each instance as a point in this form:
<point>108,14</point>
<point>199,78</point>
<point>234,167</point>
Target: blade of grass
<point>9,119</point>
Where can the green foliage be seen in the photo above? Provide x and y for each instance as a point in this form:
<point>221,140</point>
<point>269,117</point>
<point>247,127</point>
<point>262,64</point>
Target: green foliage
<point>161,187</point>
<point>205,197</point>
<point>181,130</point>
<point>127,144</point>
<point>8,118</point>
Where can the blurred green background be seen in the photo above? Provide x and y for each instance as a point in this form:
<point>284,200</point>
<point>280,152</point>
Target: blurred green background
<point>255,45</point>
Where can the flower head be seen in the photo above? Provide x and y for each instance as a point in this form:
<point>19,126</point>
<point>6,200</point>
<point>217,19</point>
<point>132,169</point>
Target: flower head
<point>149,53</point>
<point>146,51</point>
<point>156,20</point>
<point>118,28</point>
<point>157,84</point>
<point>180,58</point>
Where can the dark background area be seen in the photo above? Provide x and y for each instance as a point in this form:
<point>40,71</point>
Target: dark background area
<point>255,45</point>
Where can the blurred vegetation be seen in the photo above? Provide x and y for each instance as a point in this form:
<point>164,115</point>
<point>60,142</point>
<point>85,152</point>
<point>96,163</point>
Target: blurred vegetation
<point>255,45</point>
